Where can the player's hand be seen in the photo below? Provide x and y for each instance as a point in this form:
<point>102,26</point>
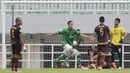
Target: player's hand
<point>91,38</point>
<point>109,43</point>
<point>121,40</point>
<point>25,49</point>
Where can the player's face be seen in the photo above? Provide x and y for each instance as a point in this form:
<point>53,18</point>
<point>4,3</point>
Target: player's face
<point>70,25</point>
<point>116,22</point>
<point>20,22</point>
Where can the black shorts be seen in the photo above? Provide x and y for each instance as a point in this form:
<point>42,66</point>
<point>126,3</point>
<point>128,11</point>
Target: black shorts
<point>16,48</point>
<point>116,48</point>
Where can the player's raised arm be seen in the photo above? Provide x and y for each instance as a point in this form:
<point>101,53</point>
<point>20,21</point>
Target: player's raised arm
<point>85,36</point>
<point>59,32</point>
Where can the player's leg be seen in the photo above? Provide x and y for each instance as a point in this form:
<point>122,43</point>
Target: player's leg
<point>61,57</point>
<point>16,61</point>
<point>114,49</point>
<point>91,60</point>
<point>69,51</point>
<point>68,55</point>
<point>119,52</point>
<point>17,54</point>
<point>14,57</point>
<point>101,61</point>
<point>77,54</point>
<point>102,51</point>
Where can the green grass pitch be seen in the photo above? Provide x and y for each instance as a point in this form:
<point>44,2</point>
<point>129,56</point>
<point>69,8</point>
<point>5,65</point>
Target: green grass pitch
<point>46,70</point>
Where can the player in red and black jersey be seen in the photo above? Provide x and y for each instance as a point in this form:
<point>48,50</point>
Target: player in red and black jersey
<point>16,43</point>
<point>102,36</point>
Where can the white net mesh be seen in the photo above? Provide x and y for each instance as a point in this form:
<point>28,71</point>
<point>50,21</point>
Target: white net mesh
<point>40,56</point>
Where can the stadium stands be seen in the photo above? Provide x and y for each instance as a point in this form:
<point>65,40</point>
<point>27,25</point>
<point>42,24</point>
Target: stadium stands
<point>69,8</point>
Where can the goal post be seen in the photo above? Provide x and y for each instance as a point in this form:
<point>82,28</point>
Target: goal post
<point>3,35</point>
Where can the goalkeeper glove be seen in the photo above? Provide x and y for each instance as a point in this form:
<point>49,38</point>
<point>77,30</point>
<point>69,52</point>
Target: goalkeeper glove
<point>109,43</point>
<point>25,49</point>
<point>121,40</point>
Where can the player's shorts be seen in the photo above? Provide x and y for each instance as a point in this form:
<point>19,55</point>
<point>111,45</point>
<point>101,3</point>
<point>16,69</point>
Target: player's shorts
<point>16,48</point>
<point>67,47</point>
<point>75,52</point>
<point>116,48</point>
<point>103,48</point>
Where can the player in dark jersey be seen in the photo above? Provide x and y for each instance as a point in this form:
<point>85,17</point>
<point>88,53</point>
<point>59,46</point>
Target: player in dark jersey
<point>93,53</point>
<point>16,43</point>
<point>102,36</point>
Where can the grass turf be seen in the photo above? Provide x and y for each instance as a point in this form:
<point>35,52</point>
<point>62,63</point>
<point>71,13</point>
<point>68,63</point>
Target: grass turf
<point>45,70</point>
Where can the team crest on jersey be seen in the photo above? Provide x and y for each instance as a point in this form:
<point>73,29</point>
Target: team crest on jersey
<point>71,36</point>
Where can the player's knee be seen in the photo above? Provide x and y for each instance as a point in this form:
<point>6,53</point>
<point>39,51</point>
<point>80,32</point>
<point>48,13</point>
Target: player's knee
<point>92,59</point>
<point>64,55</point>
<point>71,50</point>
<point>67,47</point>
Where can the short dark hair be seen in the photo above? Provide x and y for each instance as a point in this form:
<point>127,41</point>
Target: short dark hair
<point>118,19</point>
<point>69,22</point>
<point>16,19</point>
<point>101,19</point>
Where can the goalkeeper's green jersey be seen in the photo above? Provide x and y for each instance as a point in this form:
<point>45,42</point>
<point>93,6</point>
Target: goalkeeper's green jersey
<point>67,36</point>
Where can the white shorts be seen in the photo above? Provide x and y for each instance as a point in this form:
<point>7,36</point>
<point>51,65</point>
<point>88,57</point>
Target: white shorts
<point>67,47</point>
<point>75,52</point>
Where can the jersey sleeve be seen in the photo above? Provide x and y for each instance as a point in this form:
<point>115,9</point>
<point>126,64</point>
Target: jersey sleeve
<point>62,31</point>
<point>122,30</point>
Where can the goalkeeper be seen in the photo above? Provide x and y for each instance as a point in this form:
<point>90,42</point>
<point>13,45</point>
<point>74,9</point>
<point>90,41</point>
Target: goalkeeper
<point>67,38</point>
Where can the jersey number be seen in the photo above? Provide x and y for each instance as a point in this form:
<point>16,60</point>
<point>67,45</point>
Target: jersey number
<point>101,31</point>
<point>12,32</point>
